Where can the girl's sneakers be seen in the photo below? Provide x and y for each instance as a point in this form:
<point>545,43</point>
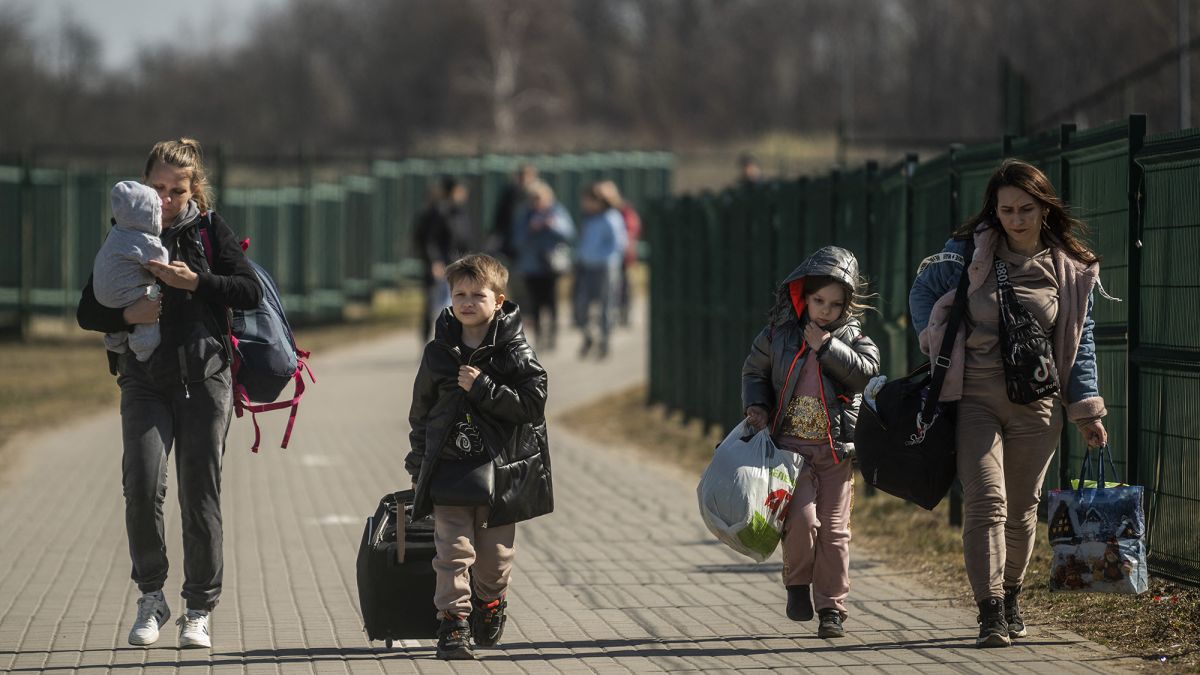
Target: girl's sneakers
<point>152,614</point>
<point>831,624</point>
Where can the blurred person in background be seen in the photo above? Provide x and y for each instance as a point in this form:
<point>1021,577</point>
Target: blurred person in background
<point>544,255</point>
<point>510,212</point>
<point>181,397</point>
<point>601,250</point>
<point>633,230</point>
<point>749,172</point>
<point>441,235</point>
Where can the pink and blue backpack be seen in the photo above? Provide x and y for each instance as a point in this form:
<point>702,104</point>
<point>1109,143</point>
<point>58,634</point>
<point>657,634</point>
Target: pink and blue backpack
<point>265,355</point>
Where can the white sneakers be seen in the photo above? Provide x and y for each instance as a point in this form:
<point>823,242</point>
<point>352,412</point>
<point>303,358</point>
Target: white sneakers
<point>193,629</point>
<point>152,613</point>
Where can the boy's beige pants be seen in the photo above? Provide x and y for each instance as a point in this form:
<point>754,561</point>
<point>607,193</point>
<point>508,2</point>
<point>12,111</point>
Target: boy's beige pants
<point>466,550</point>
<point>1004,449</point>
<point>816,532</point>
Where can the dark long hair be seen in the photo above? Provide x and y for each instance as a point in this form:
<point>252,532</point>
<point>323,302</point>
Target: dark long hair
<point>1061,224</point>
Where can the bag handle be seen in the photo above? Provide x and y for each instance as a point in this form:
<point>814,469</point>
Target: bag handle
<point>1103,456</point>
<point>400,528</point>
<point>941,362</point>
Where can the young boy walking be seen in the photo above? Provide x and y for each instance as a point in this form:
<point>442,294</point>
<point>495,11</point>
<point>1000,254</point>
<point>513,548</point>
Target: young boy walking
<point>480,461</point>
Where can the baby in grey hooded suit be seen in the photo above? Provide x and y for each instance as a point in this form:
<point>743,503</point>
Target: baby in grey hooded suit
<point>119,274</point>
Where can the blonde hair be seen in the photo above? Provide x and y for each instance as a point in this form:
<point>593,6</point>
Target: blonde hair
<point>541,189</point>
<point>611,193</point>
<point>480,268</point>
<point>597,192</point>
<point>184,153</point>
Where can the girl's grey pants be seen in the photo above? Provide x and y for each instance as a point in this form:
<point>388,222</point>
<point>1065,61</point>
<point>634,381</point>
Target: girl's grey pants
<point>158,414</point>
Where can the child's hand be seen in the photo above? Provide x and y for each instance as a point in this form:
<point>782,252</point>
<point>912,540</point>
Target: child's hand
<point>466,377</point>
<point>815,335</point>
<point>756,417</point>
<point>175,275</point>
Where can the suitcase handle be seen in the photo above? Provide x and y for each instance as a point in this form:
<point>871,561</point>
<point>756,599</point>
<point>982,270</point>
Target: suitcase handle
<point>400,527</point>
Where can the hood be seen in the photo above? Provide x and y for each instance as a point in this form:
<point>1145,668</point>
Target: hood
<point>830,261</point>
<point>136,207</point>
<point>505,328</point>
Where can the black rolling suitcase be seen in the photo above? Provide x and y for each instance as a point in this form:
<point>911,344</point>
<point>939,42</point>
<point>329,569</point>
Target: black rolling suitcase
<point>395,582</point>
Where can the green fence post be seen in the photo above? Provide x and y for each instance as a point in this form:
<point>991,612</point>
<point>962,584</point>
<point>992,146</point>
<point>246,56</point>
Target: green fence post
<point>25,291</point>
<point>1133,388</point>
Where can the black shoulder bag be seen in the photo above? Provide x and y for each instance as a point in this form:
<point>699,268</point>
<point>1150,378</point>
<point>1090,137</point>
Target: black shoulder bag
<point>1029,370</point>
<point>906,445</point>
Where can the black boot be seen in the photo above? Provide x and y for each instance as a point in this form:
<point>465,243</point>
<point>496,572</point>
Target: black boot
<point>993,629</point>
<point>1012,612</point>
<point>799,606</point>
<point>454,639</point>
<point>487,622</point>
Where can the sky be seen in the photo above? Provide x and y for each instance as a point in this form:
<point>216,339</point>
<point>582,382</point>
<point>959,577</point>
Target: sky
<point>125,25</point>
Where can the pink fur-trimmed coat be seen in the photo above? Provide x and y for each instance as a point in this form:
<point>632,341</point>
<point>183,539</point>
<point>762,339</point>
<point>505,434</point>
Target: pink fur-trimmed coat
<point>1075,283</point>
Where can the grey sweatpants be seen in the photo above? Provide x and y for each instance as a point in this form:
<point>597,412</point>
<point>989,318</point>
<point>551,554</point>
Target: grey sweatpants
<point>156,417</point>
<point>1004,449</point>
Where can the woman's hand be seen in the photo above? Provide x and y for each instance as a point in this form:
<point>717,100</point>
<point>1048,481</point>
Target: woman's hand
<point>144,310</point>
<point>756,417</point>
<point>1094,433</point>
<point>175,275</point>
<point>815,335</point>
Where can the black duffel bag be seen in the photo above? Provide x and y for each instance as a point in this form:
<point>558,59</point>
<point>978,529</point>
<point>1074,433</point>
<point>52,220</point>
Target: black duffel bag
<point>906,443</point>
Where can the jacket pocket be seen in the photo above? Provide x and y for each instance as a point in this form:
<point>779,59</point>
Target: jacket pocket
<point>203,355</point>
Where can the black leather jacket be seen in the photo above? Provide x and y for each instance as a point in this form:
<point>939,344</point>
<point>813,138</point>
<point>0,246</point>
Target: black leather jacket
<point>847,361</point>
<point>507,403</point>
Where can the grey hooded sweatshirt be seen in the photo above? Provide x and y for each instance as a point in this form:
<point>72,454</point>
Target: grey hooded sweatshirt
<point>119,274</point>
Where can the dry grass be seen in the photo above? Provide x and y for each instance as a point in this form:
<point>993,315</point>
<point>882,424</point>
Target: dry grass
<point>1161,626</point>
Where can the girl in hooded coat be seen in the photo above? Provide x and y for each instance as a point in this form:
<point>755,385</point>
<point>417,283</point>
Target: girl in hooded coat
<point>804,377</point>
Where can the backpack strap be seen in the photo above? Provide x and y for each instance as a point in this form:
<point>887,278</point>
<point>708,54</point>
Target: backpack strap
<point>206,236</point>
<point>242,402</point>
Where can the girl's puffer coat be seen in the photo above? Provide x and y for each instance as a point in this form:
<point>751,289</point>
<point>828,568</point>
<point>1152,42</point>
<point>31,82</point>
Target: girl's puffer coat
<point>848,360</point>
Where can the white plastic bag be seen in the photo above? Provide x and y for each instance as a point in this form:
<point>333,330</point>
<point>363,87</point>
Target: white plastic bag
<point>745,491</point>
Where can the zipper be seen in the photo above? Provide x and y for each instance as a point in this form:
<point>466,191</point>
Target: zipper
<point>783,390</point>
<point>828,423</point>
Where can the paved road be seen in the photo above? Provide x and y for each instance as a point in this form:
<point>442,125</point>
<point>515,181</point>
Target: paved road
<point>621,578</point>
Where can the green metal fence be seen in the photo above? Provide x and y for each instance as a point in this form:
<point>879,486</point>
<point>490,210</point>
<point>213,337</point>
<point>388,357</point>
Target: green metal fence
<point>716,259</point>
<point>330,231</point>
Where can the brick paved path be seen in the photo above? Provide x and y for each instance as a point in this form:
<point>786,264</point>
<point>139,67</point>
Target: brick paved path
<point>621,578</point>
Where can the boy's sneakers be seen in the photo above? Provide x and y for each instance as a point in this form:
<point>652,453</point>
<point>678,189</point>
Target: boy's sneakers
<point>799,605</point>
<point>152,614</point>
<point>993,629</point>
<point>454,638</point>
<point>193,629</point>
<point>487,622</point>
<point>1012,613</point>
<point>831,624</point>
